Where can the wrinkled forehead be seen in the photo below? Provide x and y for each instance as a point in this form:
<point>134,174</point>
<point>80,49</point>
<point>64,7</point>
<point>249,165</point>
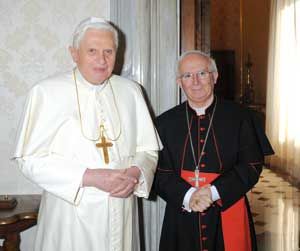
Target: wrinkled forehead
<point>97,36</point>
<point>193,62</point>
<point>99,33</point>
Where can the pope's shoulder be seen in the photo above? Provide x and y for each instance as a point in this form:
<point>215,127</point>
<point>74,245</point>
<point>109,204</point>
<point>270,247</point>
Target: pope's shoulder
<point>55,82</point>
<point>64,82</point>
<point>125,84</point>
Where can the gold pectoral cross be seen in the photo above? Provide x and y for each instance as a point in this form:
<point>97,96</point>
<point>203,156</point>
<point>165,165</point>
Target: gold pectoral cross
<point>104,145</point>
<point>197,178</point>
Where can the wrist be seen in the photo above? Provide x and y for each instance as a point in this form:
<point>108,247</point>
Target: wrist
<point>134,171</point>
<point>91,177</point>
<point>87,178</point>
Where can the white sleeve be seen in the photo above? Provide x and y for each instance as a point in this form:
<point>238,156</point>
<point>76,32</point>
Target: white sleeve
<point>214,193</point>
<point>55,174</point>
<point>146,162</point>
<point>187,198</point>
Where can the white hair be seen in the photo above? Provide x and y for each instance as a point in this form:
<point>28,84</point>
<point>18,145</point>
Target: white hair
<point>94,23</point>
<point>212,64</point>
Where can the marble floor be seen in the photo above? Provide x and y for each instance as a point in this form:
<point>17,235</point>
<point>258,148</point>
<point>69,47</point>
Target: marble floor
<point>275,205</point>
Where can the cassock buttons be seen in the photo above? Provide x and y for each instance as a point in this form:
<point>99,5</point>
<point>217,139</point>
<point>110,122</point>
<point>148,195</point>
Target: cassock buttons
<point>202,116</point>
<point>202,165</point>
<point>204,238</point>
<point>203,226</point>
<point>202,129</point>
<point>202,141</point>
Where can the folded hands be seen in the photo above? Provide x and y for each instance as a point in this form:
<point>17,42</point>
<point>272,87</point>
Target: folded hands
<point>201,199</point>
<point>117,182</point>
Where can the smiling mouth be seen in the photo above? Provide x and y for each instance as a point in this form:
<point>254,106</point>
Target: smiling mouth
<point>99,69</point>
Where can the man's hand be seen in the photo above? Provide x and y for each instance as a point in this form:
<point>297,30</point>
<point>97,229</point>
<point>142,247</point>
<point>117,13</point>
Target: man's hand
<point>118,182</point>
<point>201,199</point>
<point>126,188</point>
<point>105,179</point>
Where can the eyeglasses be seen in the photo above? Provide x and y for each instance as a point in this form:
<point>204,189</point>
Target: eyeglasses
<point>188,76</point>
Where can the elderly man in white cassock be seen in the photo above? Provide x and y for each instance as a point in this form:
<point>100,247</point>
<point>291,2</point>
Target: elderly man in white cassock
<point>87,139</point>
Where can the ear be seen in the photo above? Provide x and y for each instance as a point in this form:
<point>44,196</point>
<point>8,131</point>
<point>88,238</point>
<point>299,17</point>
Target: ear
<point>178,81</point>
<point>215,77</point>
<point>74,53</point>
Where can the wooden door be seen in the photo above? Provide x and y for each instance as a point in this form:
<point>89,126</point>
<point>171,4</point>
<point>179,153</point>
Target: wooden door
<point>195,25</point>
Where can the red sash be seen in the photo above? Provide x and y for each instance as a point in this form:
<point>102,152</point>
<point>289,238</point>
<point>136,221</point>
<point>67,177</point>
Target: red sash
<point>235,221</point>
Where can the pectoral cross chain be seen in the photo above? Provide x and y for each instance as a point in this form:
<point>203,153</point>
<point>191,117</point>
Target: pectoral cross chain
<point>104,145</point>
<point>197,179</point>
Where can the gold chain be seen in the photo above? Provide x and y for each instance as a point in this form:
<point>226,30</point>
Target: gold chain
<point>101,127</point>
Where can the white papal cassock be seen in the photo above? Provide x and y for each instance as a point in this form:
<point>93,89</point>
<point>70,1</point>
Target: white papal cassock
<point>53,153</point>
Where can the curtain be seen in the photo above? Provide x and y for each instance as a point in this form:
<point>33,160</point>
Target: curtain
<point>283,111</point>
<point>283,86</point>
<point>151,35</point>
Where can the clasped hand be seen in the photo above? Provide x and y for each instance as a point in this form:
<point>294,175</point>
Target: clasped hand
<point>201,199</point>
<point>117,182</point>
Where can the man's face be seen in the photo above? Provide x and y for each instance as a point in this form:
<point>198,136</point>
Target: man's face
<point>196,80</point>
<point>96,55</point>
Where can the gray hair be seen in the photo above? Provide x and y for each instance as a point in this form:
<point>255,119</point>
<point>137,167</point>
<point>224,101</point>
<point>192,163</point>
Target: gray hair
<point>94,23</point>
<point>212,64</point>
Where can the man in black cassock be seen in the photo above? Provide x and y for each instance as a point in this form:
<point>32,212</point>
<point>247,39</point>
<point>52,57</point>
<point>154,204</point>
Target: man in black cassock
<point>213,155</point>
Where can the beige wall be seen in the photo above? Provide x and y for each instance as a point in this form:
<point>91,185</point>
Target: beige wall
<point>34,38</point>
<point>226,35</point>
<point>256,33</point>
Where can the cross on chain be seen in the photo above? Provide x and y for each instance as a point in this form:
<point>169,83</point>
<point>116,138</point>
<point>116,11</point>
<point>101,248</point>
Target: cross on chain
<point>104,145</point>
<point>197,179</point>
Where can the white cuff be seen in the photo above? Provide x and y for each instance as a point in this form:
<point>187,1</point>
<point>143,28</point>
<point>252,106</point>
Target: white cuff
<point>214,193</point>
<point>186,199</point>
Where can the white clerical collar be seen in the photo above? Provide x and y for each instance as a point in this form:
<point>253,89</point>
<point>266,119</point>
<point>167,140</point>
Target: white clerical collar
<point>201,110</point>
<point>86,83</point>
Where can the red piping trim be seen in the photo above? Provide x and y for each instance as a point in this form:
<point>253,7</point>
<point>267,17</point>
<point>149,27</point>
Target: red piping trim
<point>217,147</point>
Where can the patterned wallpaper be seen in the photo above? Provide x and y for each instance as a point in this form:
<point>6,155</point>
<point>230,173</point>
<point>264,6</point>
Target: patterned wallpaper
<point>34,39</point>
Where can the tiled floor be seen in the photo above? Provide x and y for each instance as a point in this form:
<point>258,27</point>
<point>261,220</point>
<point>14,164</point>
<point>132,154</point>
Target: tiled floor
<point>275,205</point>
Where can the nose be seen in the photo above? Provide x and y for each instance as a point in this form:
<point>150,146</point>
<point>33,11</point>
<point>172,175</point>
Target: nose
<point>196,79</point>
<point>101,58</point>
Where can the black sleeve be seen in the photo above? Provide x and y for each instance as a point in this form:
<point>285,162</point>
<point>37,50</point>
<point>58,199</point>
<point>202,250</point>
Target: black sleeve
<point>167,183</point>
<point>234,183</point>
<point>263,141</point>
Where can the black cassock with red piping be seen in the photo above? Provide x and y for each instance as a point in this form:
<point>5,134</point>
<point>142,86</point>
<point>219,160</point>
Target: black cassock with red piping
<point>232,161</point>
